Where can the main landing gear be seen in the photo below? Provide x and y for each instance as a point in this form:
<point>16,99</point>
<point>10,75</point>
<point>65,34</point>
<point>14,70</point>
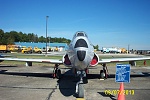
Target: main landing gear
<point>79,85</point>
<point>57,72</point>
<point>104,73</point>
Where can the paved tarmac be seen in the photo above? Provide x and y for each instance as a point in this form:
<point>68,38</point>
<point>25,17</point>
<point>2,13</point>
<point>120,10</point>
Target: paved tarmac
<point>35,83</point>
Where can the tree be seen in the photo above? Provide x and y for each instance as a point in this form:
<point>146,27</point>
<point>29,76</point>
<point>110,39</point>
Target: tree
<point>42,39</point>
<point>1,36</point>
<point>13,36</point>
<point>96,47</point>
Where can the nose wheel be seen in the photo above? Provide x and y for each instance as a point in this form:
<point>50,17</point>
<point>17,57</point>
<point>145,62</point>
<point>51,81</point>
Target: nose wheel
<point>79,85</point>
<point>80,91</point>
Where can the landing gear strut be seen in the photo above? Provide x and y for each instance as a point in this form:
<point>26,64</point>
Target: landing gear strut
<point>104,72</point>
<point>57,72</point>
<point>79,85</point>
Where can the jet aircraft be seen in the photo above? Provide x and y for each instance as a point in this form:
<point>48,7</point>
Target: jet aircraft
<point>80,57</point>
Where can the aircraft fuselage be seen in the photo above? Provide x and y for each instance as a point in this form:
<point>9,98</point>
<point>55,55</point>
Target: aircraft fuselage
<point>80,52</point>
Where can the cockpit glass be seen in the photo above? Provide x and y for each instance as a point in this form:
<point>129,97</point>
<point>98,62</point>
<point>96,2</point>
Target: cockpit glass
<point>80,34</point>
<point>81,43</point>
<point>86,35</point>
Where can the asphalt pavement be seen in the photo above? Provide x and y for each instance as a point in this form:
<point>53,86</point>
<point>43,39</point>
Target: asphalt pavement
<point>36,83</point>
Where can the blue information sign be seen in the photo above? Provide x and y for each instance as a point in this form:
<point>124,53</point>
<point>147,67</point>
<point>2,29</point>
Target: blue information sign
<point>123,73</point>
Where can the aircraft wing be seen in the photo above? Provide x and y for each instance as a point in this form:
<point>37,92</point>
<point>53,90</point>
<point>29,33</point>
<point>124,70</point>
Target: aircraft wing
<point>113,60</point>
<point>53,61</point>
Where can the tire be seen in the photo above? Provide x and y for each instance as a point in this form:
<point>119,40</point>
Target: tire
<point>80,91</point>
<point>102,74</point>
<point>39,52</point>
<point>58,74</point>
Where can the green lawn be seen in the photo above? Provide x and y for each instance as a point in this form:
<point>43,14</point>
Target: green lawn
<point>139,63</point>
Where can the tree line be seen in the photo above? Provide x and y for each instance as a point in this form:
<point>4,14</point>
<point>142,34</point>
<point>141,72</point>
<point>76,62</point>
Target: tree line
<point>14,36</point>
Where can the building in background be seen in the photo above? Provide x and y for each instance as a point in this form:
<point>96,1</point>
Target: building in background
<point>52,46</point>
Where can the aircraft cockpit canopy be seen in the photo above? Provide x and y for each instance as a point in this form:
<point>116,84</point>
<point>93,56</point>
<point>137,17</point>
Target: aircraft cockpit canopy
<point>81,43</point>
<point>80,33</point>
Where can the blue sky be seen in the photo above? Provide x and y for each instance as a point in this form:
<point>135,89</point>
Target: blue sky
<point>108,23</point>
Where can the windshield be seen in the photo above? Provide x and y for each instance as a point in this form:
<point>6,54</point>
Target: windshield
<point>81,43</point>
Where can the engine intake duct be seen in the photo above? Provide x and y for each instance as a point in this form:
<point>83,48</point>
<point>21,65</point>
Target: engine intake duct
<point>81,55</point>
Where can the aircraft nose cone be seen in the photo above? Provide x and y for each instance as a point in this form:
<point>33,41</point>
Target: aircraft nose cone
<point>81,55</point>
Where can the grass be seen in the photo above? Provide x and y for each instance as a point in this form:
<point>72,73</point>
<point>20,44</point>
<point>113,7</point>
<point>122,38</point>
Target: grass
<point>16,63</point>
<point>138,63</point>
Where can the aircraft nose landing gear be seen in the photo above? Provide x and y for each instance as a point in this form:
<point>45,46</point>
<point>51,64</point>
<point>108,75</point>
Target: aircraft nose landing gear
<point>79,85</point>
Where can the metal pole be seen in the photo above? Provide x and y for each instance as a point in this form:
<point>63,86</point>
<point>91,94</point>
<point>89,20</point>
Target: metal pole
<point>46,34</point>
<point>49,41</point>
<point>128,48</point>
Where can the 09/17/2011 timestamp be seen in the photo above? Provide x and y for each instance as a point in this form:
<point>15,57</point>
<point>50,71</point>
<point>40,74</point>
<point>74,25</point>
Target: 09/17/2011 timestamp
<point>116,92</point>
